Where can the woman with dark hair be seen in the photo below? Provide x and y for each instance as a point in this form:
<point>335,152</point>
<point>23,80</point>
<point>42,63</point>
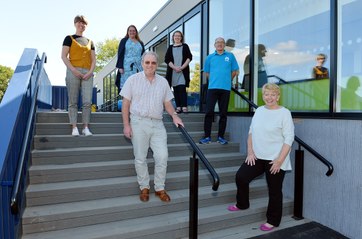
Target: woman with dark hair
<point>130,51</point>
<point>178,58</point>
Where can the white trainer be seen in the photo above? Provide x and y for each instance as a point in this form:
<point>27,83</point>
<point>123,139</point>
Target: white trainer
<point>75,131</point>
<point>86,132</point>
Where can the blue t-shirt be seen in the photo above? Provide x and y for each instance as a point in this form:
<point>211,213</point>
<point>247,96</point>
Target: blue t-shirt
<point>220,67</point>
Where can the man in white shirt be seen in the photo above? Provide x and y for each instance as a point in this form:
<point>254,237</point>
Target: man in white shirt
<point>145,96</point>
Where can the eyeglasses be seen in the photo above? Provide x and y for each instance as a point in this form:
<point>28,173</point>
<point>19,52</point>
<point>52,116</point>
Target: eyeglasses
<point>321,58</point>
<point>151,62</point>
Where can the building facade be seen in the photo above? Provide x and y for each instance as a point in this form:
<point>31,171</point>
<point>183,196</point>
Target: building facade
<point>293,34</point>
<point>282,41</point>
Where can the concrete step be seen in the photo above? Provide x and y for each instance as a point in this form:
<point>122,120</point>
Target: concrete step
<point>99,140</point>
<point>52,193</point>
<point>169,225</point>
<point>249,230</point>
<point>119,168</point>
<point>86,187</point>
<point>99,154</point>
<point>105,117</point>
<point>76,214</point>
<point>108,128</point>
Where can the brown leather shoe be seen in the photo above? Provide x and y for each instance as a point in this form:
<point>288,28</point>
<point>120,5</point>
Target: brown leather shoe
<point>163,196</point>
<point>145,195</point>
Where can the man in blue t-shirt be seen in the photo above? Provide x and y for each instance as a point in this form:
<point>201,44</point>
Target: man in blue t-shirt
<point>220,68</point>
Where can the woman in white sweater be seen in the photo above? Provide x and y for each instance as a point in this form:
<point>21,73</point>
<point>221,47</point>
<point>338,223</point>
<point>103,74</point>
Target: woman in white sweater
<point>270,138</point>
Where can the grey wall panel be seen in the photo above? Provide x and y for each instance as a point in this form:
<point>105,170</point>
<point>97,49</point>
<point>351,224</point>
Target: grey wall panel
<point>333,201</point>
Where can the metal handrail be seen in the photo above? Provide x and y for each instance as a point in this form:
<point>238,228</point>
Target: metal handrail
<point>109,103</point>
<point>194,178</point>
<point>301,142</point>
<point>209,167</point>
<point>316,154</point>
<point>14,205</point>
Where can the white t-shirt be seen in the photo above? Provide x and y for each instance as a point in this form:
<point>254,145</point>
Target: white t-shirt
<point>270,129</point>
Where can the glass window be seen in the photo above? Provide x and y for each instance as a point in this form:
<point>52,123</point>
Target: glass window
<point>192,37</point>
<point>292,38</point>
<point>231,20</point>
<point>349,90</point>
<point>161,49</point>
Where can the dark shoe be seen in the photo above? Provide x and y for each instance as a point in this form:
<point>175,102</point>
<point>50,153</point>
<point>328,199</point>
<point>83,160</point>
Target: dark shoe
<point>145,195</point>
<point>178,111</point>
<point>163,196</point>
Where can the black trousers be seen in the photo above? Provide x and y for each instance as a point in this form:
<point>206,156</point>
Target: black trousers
<point>246,174</point>
<point>222,97</point>
<point>180,94</point>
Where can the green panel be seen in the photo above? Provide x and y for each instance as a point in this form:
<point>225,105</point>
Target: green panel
<point>237,104</point>
<point>304,96</point>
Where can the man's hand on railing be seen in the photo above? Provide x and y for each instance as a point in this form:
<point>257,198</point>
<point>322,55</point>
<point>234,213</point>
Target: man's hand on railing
<point>177,120</point>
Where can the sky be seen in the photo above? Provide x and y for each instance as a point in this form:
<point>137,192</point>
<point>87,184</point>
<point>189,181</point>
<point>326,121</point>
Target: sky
<point>43,25</point>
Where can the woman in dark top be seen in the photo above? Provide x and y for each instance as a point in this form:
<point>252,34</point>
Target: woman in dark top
<point>130,51</point>
<point>178,58</point>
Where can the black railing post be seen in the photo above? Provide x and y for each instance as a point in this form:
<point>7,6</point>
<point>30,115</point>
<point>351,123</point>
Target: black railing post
<point>194,194</point>
<point>298,184</point>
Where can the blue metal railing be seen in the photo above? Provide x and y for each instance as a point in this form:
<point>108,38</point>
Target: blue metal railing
<point>17,114</point>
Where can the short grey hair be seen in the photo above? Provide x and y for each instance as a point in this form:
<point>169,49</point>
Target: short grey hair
<point>151,53</point>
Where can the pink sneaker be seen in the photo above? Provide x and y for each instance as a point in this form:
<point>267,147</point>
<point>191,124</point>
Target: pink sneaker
<point>264,227</point>
<point>233,208</point>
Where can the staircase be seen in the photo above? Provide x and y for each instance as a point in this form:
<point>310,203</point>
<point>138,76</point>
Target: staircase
<point>86,188</point>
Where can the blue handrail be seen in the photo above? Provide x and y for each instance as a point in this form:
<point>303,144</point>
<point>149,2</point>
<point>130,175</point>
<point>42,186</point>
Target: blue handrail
<point>17,111</point>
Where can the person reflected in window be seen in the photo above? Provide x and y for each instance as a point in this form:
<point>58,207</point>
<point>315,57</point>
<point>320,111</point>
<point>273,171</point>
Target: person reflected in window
<point>178,57</point>
<point>319,71</point>
<point>78,54</point>
<point>230,46</point>
<point>262,75</point>
<point>271,136</point>
<point>129,55</point>
<point>350,100</point>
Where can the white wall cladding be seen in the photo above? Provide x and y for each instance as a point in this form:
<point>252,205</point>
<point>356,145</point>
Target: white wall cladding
<point>334,201</point>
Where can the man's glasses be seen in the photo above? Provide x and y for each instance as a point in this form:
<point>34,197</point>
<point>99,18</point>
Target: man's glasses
<point>151,62</point>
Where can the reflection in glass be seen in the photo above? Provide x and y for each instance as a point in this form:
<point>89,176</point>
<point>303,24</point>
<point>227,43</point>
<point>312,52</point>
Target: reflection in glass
<point>294,32</point>
<point>161,49</point>
<point>231,20</point>
<point>192,36</point>
<point>349,90</point>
